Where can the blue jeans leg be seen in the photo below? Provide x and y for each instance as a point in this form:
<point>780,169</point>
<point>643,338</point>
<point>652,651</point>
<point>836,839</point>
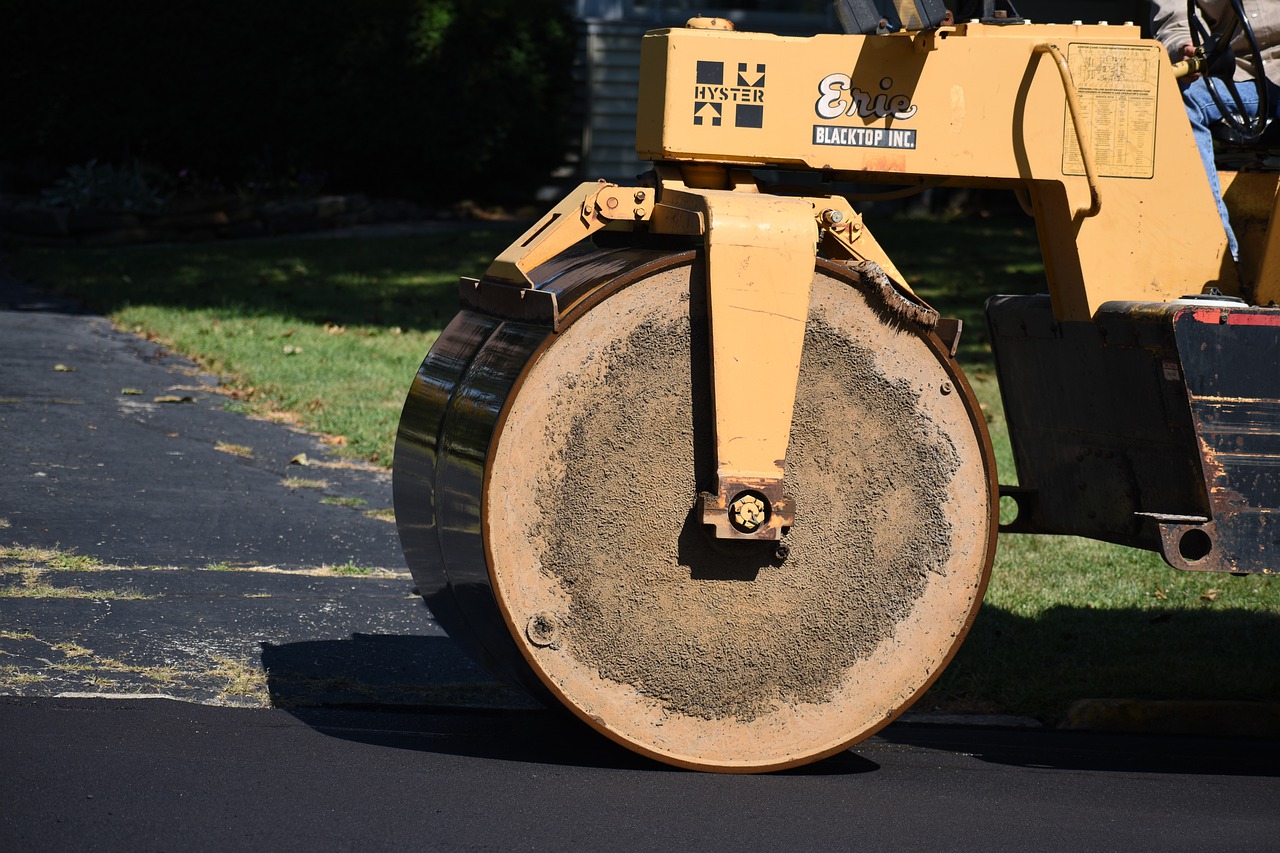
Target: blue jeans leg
<point>1204,113</point>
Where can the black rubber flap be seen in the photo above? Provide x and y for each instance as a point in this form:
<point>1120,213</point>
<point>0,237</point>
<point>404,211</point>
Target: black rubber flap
<point>864,16</point>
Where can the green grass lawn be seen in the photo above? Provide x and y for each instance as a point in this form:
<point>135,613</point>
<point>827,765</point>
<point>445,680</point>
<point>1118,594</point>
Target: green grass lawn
<point>329,332</point>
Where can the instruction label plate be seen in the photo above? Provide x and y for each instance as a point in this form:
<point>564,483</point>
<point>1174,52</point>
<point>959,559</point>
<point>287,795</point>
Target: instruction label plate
<point>1117,86</point>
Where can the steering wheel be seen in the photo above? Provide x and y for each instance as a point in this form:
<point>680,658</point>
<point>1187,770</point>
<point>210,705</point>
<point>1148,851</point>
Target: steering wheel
<point>1221,65</point>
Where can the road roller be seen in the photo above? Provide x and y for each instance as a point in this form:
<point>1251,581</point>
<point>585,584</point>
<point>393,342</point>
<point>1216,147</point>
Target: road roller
<point>696,463</point>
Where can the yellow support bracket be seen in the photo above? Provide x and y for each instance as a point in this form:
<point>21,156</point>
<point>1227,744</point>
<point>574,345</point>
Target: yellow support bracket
<point>844,237</point>
<point>760,255</point>
<point>587,209</point>
<point>761,252</point>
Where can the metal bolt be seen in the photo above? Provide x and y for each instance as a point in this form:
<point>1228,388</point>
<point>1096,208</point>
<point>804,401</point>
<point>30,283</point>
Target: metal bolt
<point>542,629</point>
<point>946,388</point>
<point>639,212</point>
<point>832,217</point>
<point>639,196</point>
<point>782,552</point>
<point>748,513</point>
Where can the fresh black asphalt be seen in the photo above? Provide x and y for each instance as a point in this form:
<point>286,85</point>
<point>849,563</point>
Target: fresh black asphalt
<point>96,464</point>
<point>216,550</point>
<point>157,775</point>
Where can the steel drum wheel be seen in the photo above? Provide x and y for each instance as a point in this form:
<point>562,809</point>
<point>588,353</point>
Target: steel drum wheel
<point>719,655</point>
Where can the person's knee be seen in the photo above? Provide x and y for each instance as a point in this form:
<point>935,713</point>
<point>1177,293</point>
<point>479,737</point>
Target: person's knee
<point>1196,111</point>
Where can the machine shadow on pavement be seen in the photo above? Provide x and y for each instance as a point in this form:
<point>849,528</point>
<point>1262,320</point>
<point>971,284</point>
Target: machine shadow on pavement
<point>548,736</point>
<point>1104,752</point>
<point>423,693</point>
<point>382,671</point>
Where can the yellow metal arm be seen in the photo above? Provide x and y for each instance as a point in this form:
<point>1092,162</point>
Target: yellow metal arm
<point>974,106</point>
<point>586,210</point>
<point>760,258</point>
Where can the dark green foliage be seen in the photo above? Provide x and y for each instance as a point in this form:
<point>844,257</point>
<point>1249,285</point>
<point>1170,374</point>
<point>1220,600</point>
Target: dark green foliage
<point>424,98</point>
<point>101,186</point>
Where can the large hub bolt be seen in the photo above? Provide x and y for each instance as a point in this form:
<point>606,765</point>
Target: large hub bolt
<point>748,512</point>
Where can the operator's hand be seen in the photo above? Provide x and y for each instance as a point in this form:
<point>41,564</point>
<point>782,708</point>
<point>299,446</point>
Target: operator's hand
<point>1189,52</point>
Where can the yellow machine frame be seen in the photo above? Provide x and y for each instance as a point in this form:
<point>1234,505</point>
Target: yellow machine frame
<point>1092,137</point>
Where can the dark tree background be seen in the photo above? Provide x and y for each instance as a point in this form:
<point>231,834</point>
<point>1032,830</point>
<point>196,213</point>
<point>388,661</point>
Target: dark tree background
<point>429,99</point>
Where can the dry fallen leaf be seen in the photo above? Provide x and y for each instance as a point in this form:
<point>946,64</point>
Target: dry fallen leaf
<point>62,368</point>
<point>1159,593</point>
<point>300,459</point>
<point>1209,594</point>
<point>290,349</point>
<point>173,398</point>
<point>131,391</point>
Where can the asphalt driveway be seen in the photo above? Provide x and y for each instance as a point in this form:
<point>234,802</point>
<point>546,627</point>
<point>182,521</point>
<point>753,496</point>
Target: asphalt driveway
<point>153,542</point>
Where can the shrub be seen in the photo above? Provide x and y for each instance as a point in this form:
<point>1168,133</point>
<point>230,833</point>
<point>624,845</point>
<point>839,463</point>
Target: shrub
<point>95,186</point>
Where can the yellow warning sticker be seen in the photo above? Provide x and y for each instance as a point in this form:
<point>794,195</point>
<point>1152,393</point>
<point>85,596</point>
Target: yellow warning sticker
<point>1117,89</point>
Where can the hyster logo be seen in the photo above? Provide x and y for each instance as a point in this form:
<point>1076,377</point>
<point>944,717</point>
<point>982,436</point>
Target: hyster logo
<point>836,99</point>
<point>710,95</point>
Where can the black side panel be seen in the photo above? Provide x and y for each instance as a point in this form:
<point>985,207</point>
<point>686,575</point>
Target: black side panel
<point>1099,422</point>
<point>864,16</point>
<point>1231,360</point>
<point>1156,425</point>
